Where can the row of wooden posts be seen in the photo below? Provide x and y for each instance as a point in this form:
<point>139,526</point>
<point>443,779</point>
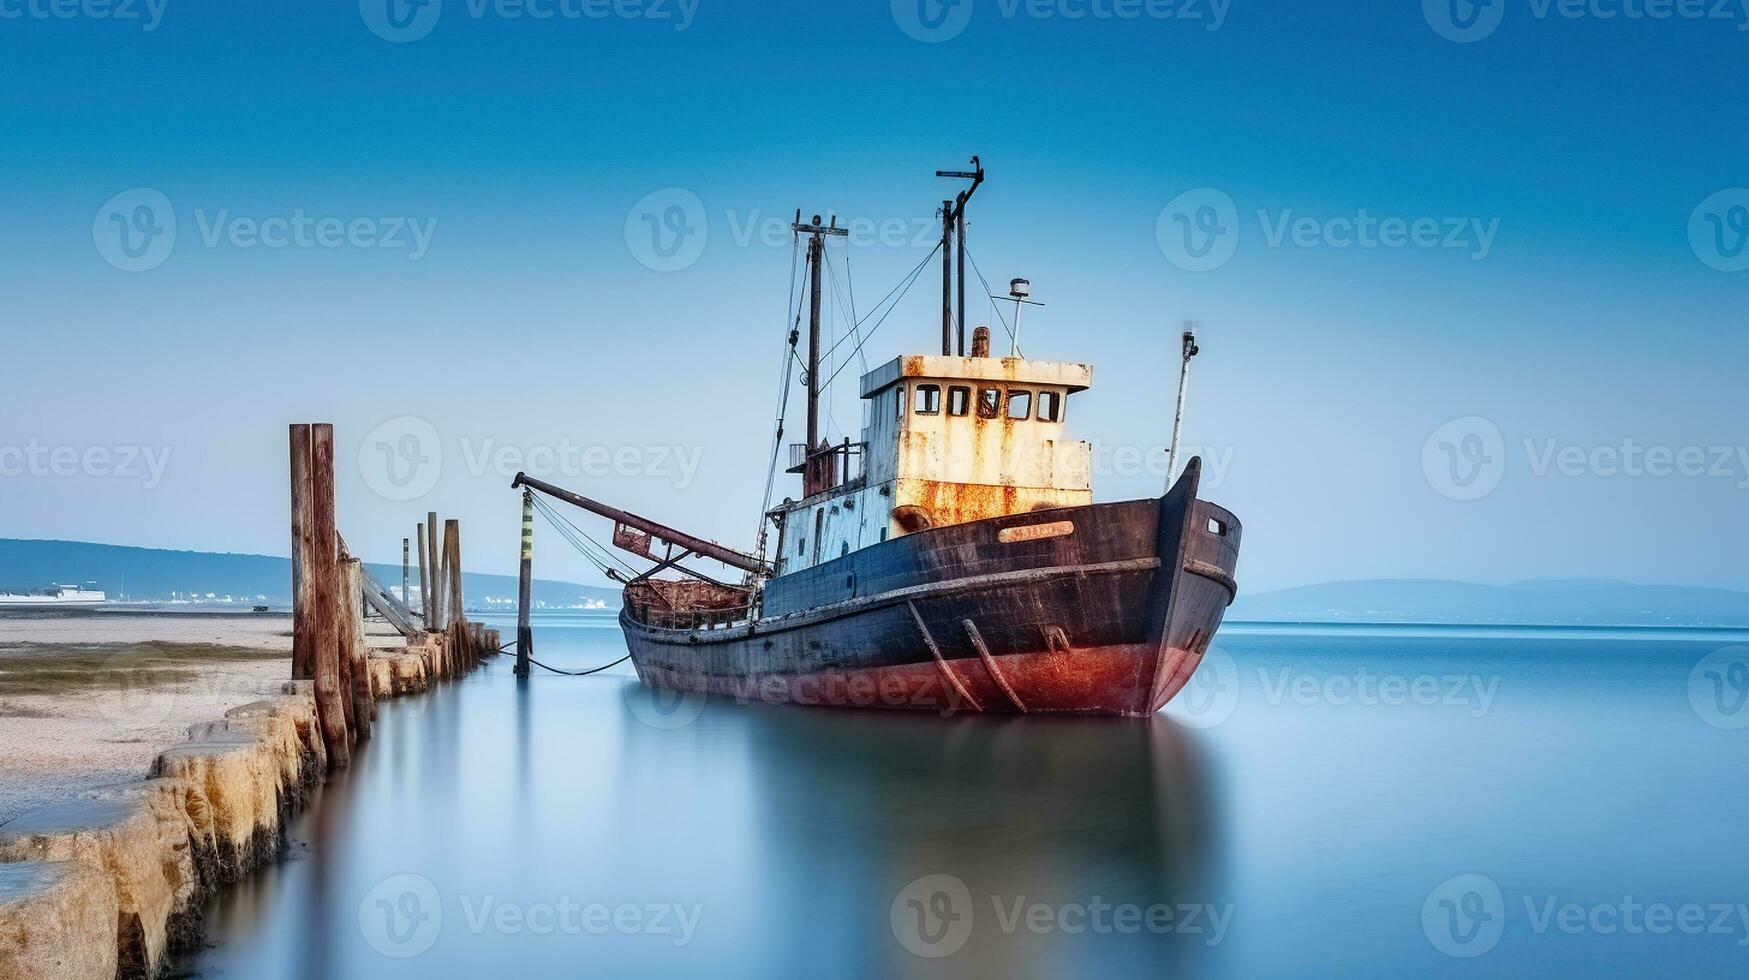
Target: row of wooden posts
<point>331,589</point>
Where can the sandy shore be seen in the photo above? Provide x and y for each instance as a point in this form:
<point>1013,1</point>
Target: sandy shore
<point>87,701</point>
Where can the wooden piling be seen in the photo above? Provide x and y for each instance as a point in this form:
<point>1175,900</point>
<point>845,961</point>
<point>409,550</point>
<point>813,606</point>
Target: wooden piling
<point>452,560</point>
<point>322,574</point>
<point>524,587</point>
<point>303,642</point>
<point>434,601</point>
<point>424,580</point>
<point>353,650</point>
<point>346,620</point>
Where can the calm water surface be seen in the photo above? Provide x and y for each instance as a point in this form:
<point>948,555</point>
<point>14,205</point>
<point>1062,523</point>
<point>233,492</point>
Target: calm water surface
<point>1357,802</point>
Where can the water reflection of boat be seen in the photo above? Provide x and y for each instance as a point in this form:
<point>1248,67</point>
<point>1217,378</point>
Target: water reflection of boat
<point>1052,811</point>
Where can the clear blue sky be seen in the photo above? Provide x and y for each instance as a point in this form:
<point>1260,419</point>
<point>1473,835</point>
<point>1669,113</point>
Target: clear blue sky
<point>524,146</point>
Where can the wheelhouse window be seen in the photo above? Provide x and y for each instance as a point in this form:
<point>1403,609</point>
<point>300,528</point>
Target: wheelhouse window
<point>1050,406</point>
<point>899,400</point>
<point>989,403</point>
<point>959,400</point>
<point>928,399</point>
<point>1019,404</point>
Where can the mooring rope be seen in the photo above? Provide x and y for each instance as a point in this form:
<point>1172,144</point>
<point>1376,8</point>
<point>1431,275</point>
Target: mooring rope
<point>506,648</point>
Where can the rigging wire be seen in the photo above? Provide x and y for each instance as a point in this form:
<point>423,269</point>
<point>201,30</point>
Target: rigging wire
<point>912,278</point>
<point>903,285</point>
<point>999,316</point>
<point>850,288</point>
<point>578,538</point>
<point>793,318</point>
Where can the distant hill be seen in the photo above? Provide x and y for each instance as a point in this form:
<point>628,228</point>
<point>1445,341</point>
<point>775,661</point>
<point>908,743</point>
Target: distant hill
<point>1571,602</point>
<point>154,574</point>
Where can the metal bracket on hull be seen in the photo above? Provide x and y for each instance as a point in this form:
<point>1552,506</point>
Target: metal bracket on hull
<point>940,662</point>
<point>990,665</point>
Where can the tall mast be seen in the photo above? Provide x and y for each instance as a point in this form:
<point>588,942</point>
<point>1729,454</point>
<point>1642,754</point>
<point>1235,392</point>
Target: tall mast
<point>816,258</point>
<point>946,277</point>
<point>953,215</point>
<point>816,246</point>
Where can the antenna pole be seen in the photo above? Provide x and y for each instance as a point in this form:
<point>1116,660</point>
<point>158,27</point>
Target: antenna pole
<point>1188,351</point>
<point>960,231</point>
<point>953,215</point>
<point>946,278</point>
<point>816,233</point>
<point>816,245</point>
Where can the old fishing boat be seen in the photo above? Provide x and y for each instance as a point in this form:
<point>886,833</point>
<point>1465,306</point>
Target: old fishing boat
<point>951,559</point>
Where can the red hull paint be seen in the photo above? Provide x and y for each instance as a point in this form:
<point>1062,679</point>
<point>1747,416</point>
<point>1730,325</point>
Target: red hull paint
<point>1096,681</point>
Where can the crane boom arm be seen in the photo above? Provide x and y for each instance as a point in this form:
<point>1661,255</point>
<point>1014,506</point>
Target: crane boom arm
<point>696,545</point>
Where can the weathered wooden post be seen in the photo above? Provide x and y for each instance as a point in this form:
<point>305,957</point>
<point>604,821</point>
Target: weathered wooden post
<point>434,605</point>
<point>322,574</point>
<point>303,662</point>
<point>350,647</point>
<point>425,588</point>
<point>354,649</point>
<point>452,560</point>
<point>524,586</point>
<point>406,574</point>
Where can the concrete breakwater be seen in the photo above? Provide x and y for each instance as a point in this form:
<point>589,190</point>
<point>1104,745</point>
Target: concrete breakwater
<point>113,884</point>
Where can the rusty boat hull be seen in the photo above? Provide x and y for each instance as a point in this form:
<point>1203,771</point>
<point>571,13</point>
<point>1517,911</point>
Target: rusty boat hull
<point>1102,609</point>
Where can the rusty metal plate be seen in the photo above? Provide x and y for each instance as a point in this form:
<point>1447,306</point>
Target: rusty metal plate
<point>1035,532</point>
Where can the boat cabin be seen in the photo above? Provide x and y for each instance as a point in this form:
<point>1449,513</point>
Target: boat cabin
<point>945,440</point>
